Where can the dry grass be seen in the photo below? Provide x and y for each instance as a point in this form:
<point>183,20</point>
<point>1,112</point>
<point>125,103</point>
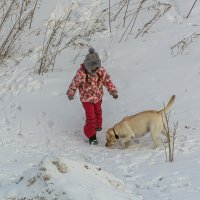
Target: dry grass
<point>129,12</point>
<point>171,136</point>
<point>180,47</point>
<point>62,33</point>
<point>15,17</point>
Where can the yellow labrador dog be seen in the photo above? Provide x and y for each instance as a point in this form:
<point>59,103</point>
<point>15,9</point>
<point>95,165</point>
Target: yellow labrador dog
<point>138,125</point>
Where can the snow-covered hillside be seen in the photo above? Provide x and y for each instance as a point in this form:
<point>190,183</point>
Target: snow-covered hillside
<point>43,151</point>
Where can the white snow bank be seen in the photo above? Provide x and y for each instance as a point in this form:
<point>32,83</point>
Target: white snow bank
<point>66,179</point>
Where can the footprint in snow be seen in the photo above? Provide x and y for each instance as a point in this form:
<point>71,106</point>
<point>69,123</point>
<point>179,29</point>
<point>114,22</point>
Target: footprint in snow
<point>50,123</point>
<point>44,114</point>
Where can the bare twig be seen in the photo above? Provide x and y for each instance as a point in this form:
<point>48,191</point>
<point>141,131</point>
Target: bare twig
<point>15,65</point>
<point>129,12</point>
<point>32,13</point>
<point>180,46</point>
<point>21,12</point>
<point>137,13</point>
<point>170,138</point>
<point>62,33</point>
<point>109,17</point>
<point>191,9</point>
<point>126,12</point>
<point>133,20</point>
<point>118,12</point>
<point>152,21</point>
<point>7,14</point>
<point>174,137</point>
<point>165,149</point>
<point>14,20</point>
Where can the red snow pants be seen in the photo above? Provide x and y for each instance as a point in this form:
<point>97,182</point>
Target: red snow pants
<point>93,113</point>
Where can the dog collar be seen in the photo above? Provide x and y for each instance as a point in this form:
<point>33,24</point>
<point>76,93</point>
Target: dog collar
<point>116,136</point>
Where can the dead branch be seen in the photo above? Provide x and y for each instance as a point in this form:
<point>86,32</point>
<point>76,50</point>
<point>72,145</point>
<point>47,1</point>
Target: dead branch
<point>109,17</point>
<point>137,13</point>
<point>179,47</point>
<point>32,13</point>
<point>130,11</point>
<point>153,20</point>
<point>174,137</point>
<point>7,14</point>
<point>21,12</point>
<point>170,137</point>
<point>165,149</point>
<point>133,20</point>
<point>191,8</point>
<point>61,33</point>
<point>126,13</point>
<point>16,15</point>
<point>119,11</point>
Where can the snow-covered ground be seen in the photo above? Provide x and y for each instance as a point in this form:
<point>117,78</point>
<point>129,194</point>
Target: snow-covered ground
<point>43,151</point>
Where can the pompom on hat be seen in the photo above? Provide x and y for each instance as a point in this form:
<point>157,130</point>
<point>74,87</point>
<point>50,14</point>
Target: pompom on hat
<point>92,61</point>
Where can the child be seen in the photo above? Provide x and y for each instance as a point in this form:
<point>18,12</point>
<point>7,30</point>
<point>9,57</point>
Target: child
<point>89,80</point>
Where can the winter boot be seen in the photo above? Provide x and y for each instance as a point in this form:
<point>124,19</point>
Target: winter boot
<point>93,140</point>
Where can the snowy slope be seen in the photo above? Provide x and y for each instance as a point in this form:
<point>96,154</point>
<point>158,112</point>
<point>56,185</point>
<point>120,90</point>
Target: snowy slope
<point>41,128</point>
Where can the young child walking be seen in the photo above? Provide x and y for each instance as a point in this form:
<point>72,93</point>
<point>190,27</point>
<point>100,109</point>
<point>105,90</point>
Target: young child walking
<point>89,80</point>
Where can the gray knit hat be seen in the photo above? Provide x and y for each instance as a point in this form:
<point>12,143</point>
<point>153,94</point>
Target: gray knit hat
<point>92,60</point>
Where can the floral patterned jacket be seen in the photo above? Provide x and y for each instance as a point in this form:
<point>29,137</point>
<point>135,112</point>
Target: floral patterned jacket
<point>91,86</point>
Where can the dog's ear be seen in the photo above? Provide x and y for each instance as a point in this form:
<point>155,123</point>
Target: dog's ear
<point>116,136</point>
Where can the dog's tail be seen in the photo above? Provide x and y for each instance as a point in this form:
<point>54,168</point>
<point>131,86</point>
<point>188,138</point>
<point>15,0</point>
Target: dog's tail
<point>169,105</point>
